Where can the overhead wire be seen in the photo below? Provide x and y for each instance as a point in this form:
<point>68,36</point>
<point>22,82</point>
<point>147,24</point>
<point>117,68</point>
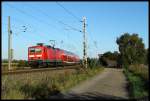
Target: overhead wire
<point>75,29</point>
<point>31,16</point>
<point>68,11</point>
<point>35,18</point>
<point>61,22</point>
<point>70,14</point>
<point>21,24</point>
<point>70,26</point>
<point>94,45</point>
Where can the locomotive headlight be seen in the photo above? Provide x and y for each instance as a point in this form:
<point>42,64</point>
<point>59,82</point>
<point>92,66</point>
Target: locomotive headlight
<point>31,55</point>
<point>38,55</point>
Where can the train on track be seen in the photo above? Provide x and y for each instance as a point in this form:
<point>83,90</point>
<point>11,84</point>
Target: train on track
<point>45,55</point>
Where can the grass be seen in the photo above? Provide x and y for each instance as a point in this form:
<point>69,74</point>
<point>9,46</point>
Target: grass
<point>43,85</point>
<point>13,94</point>
<point>5,66</point>
<point>140,70</point>
<point>76,78</point>
<point>137,85</point>
<point>14,66</point>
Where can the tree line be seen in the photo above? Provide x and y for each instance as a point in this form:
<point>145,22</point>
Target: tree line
<point>20,63</point>
<point>131,51</point>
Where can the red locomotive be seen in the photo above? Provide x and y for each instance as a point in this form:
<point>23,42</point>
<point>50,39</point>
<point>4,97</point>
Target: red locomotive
<point>44,55</point>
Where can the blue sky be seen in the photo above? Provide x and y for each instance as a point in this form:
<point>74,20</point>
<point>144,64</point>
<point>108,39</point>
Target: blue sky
<point>106,21</point>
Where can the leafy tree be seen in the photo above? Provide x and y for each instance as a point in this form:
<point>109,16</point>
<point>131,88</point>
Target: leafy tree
<point>4,61</point>
<point>146,56</point>
<point>131,49</point>
<point>108,56</point>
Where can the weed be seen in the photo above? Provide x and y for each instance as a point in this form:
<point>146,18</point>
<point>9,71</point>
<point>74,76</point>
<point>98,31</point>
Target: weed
<point>43,85</point>
<point>137,85</point>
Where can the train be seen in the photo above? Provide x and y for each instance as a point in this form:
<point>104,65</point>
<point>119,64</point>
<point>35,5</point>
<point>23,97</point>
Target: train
<point>42,55</point>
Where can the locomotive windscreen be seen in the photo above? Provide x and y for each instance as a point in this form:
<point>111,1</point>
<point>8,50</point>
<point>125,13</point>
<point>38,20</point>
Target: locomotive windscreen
<point>35,50</point>
<point>32,50</point>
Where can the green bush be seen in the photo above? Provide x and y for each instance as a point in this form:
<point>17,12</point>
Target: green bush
<point>22,63</point>
<point>141,70</point>
<point>43,85</point>
<point>93,62</point>
<point>42,90</point>
<point>138,88</point>
<point>13,94</point>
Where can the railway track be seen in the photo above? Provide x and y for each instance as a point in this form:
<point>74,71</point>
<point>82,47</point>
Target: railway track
<point>38,70</point>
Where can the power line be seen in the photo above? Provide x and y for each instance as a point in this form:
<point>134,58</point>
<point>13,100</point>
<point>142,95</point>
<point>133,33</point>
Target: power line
<point>75,41</point>
<point>70,26</point>
<point>61,22</point>
<point>75,29</point>
<point>21,24</point>
<point>91,36</point>
<point>94,43</point>
<point>68,12</point>
<point>35,18</point>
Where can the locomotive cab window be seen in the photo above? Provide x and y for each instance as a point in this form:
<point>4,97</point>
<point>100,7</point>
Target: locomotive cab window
<point>38,50</point>
<point>32,50</point>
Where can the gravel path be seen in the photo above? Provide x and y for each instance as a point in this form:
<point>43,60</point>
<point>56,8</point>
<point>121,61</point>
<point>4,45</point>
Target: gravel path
<point>110,84</point>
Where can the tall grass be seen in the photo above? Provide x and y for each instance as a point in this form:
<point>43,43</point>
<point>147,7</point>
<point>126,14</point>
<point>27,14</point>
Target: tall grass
<point>138,84</point>
<point>15,65</point>
<point>43,85</point>
<point>141,70</point>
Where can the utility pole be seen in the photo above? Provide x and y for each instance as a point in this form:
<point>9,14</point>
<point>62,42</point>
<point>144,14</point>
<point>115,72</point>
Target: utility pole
<point>84,44</point>
<point>9,44</point>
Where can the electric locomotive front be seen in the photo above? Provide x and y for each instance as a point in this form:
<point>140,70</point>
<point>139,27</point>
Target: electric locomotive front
<point>36,55</point>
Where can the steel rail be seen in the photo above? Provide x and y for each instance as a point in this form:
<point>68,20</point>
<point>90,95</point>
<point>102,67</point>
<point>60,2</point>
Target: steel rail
<point>37,70</point>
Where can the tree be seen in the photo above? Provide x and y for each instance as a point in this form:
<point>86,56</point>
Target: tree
<point>131,49</point>
<point>22,63</point>
<point>146,56</point>
<point>109,57</point>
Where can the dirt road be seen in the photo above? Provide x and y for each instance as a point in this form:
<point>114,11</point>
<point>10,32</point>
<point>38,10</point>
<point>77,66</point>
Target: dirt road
<point>111,84</point>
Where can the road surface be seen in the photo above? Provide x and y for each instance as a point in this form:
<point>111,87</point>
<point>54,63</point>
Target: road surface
<point>110,84</point>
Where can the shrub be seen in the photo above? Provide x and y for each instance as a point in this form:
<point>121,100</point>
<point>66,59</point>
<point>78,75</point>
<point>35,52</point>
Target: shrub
<point>22,63</point>
<point>138,88</point>
<point>140,70</point>
<point>92,62</point>
<point>43,85</point>
<point>42,90</point>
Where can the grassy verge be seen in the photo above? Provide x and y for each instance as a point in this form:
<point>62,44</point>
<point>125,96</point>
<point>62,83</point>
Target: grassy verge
<point>43,85</point>
<point>72,80</point>
<point>140,70</point>
<point>137,85</point>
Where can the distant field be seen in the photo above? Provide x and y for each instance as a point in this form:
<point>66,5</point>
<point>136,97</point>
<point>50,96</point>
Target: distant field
<point>5,66</point>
